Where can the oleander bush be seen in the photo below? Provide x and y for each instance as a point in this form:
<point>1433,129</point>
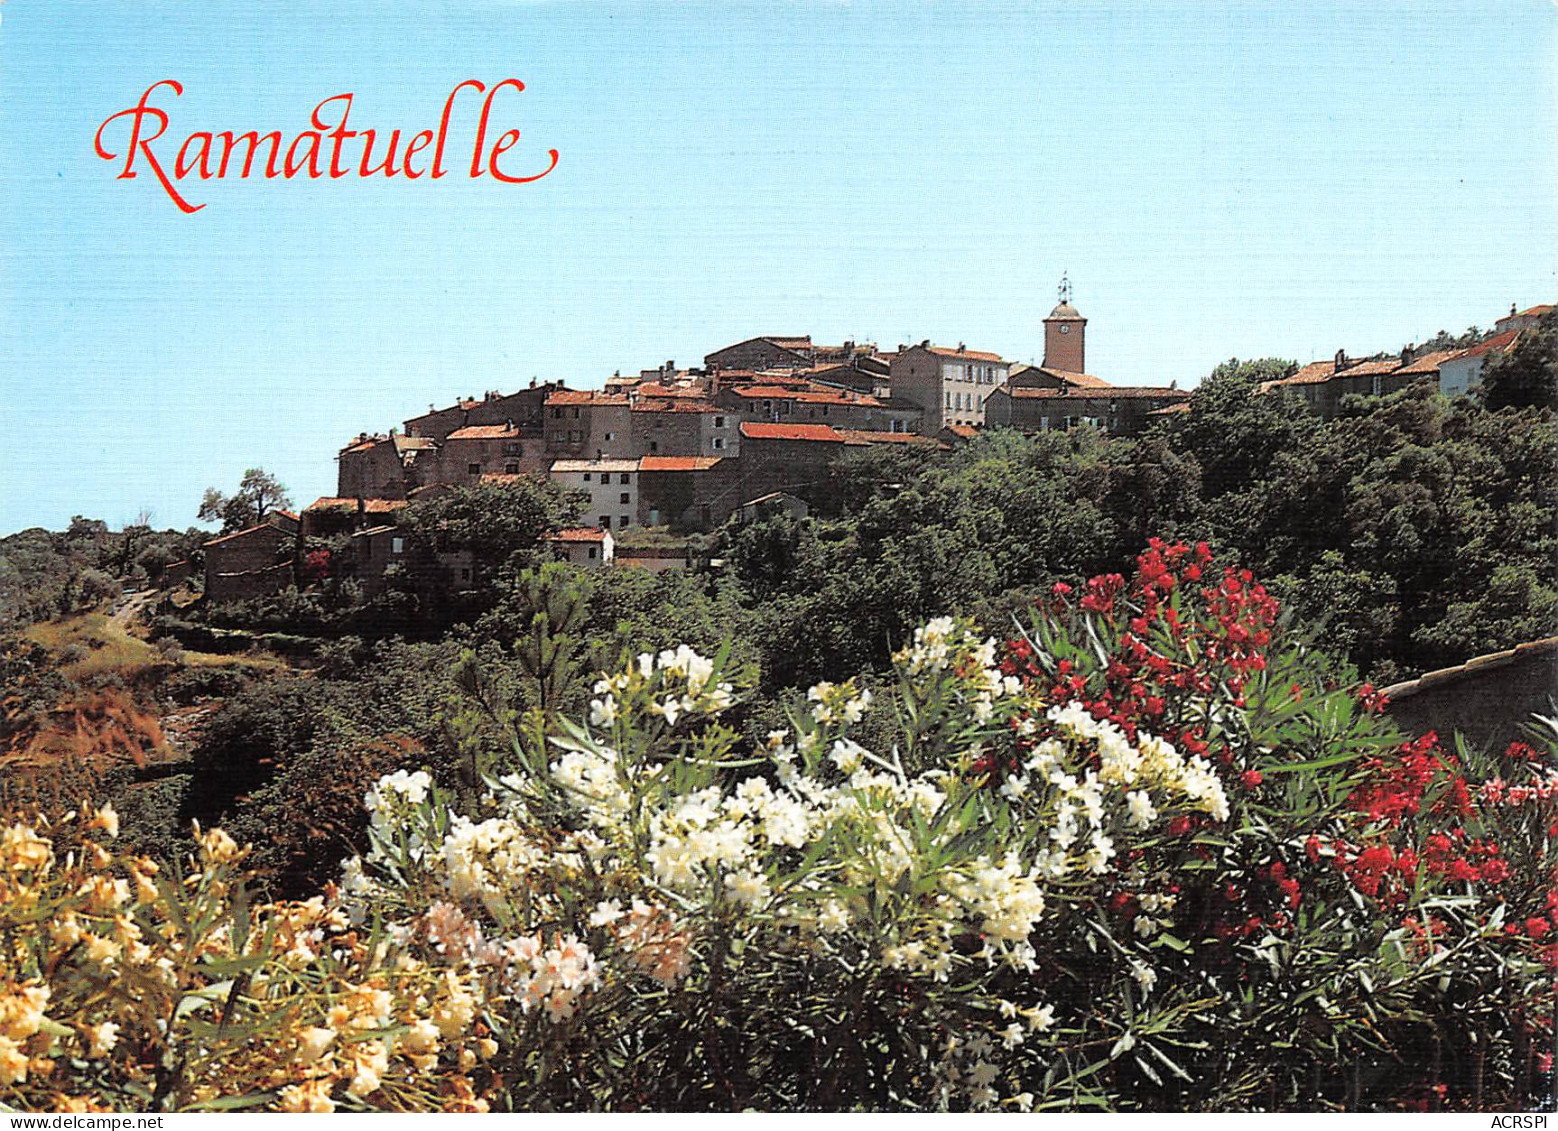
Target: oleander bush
<point>1150,853</point>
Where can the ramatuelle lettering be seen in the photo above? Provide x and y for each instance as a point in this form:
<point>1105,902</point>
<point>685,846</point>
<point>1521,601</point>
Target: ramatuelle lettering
<point>328,149</point>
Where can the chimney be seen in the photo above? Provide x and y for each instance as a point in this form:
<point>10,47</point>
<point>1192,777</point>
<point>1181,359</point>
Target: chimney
<point>1341,360</point>
<point>532,382</point>
<point>430,407</point>
<point>960,347</point>
<point>1406,354</point>
<point>925,345</point>
<point>1511,310</point>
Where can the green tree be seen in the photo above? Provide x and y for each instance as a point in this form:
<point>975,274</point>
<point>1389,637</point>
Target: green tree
<point>259,493</point>
<point>1527,375</point>
<point>501,525</point>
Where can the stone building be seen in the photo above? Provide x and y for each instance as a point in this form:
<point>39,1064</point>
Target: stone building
<point>948,385</point>
<point>587,546</point>
<point>1120,410</point>
<point>522,409</point>
<point>763,353</point>
<point>785,457</point>
<point>1487,699</point>
<point>611,486</point>
<point>477,450</point>
<point>1323,384</point>
<point>253,562</point>
<point>384,467</point>
<point>687,492</point>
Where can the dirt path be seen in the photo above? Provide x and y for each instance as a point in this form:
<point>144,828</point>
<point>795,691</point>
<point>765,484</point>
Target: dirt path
<point>129,608</point>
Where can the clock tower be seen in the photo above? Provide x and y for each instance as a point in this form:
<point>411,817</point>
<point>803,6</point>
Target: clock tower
<point>1063,334</point>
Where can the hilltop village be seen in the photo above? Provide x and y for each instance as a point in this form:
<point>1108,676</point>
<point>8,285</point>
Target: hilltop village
<point>755,426</point>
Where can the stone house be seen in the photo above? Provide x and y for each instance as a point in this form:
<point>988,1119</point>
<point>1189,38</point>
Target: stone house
<point>763,353</point>
<point>1323,384</point>
<point>477,450</point>
<point>775,502</point>
<point>1461,371</point>
<point>385,467</point>
<point>949,385</point>
<point>1487,699</point>
<point>522,409</point>
<point>587,546</point>
<point>1120,410</point>
<point>687,492</point>
<point>585,424</point>
<point>785,457</point>
<point>326,517</point>
<point>254,562</point>
<point>684,426</point>
<point>383,554</point>
<point>611,486</point>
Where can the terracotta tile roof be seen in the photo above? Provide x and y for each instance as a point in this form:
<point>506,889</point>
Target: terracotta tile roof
<point>1535,311</point>
<point>1110,393</point>
<point>1496,344</point>
<point>484,432</point>
<point>976,355</point>
<point>501,477</point>
<point>677,463</point>
<point>571,396</point>
<point>863,436</point>
<point>577,465</point>
<point>578,534</point>
<point>838,397</point>
<point>370,506</point>
<point>962,431</point>
<point>677,406</point>
<point>791,343</point>
<point>244,532</point>
<point>1430,362</point>
<point>1315,373</point>
<point>1370,368</point>
<point>655,389</point>
<point>1473,667</point>
<point>754,430</point>
<point>758,392</point>
<point>1178,407</point>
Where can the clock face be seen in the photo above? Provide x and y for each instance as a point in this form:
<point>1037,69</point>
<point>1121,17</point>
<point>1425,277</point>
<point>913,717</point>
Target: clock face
<point>1065,329</point>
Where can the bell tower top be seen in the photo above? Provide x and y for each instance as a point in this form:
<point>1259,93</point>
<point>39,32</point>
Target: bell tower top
<point>1064,331</point>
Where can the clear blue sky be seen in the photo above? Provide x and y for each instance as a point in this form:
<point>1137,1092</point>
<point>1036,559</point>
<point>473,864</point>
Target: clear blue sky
<point>1252,179</point>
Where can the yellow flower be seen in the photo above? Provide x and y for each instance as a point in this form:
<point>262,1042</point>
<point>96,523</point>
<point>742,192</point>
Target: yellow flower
<point>21,849</point>
<point>313,1096</point>
<point>107,820</point>
<point>313,1042</point>
<point>101,1039</point>
<point>216,846</point>
<point>13,1062</point>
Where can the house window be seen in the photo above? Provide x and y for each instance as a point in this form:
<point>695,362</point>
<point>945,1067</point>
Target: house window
<point>513,450</point>
<point>949,398</point>
<point>719,422</point>
<point>624,522</point>
<point>626,477</point>
<point>397,545</point>
<point>605,522</point>
<point>624,500</point>
<point>511,468</point>
<point>473,469</point>
<point>654,445</point>
<point>1376,384</point>
<point>465,575</point>
<point>610,436</point>
<point>576,414</point>
<point>586,476</point>
<point>557,414</point>
<point>719,443</point>
<point>592,553</point>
